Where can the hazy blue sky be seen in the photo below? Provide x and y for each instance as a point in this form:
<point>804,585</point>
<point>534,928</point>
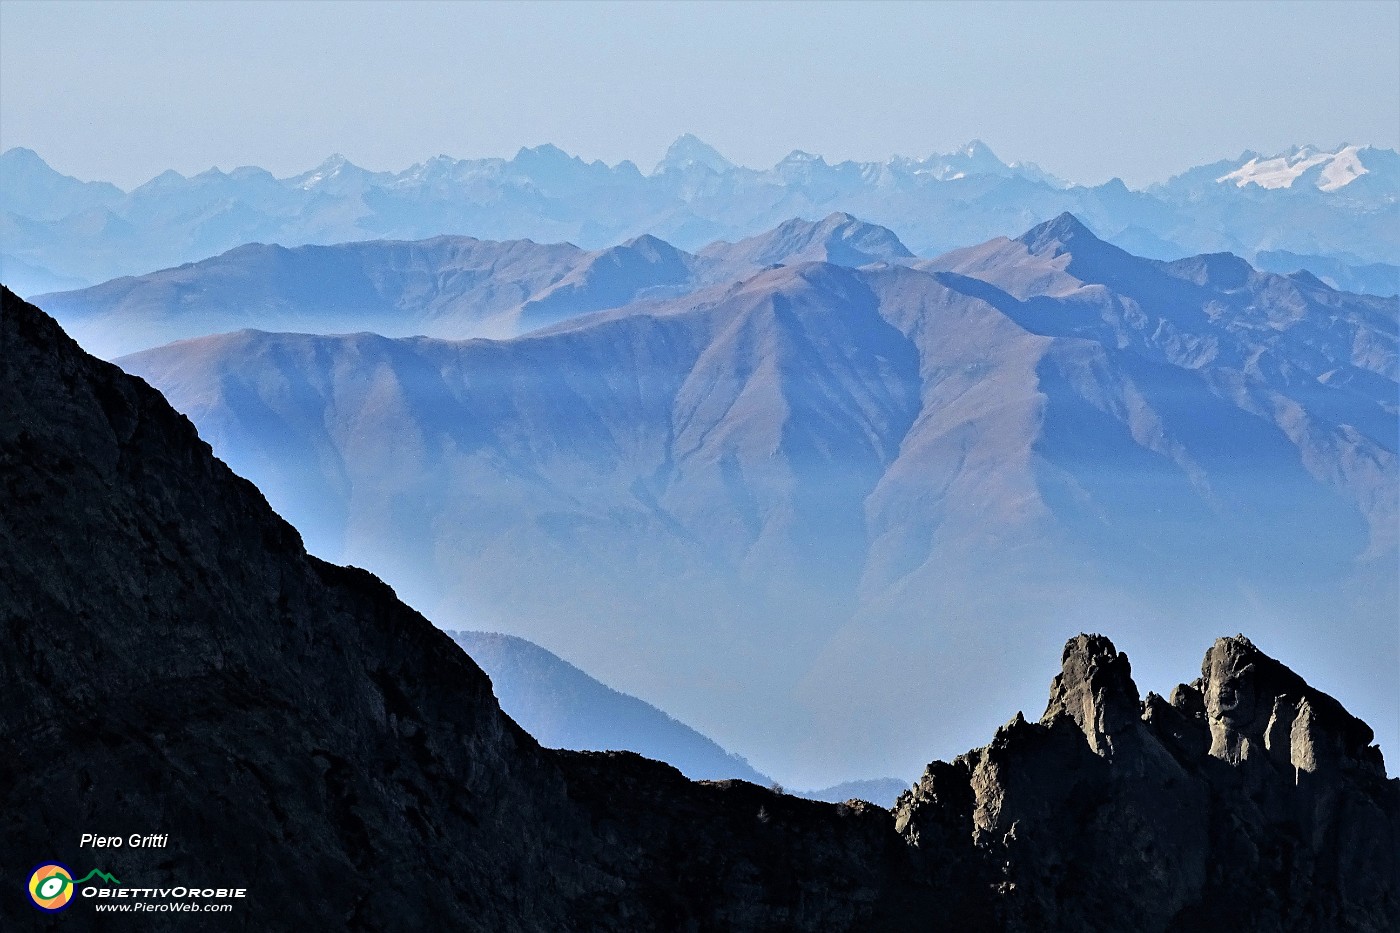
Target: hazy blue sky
<point>121,91</point>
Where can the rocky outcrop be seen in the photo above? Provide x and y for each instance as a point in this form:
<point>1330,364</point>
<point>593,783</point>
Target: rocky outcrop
<point>1247,801</point>
<point>173,661</point>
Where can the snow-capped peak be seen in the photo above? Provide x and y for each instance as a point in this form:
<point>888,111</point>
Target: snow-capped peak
<point>327,170</point>
<point>1337,169</point>
<point>1344,168</point>
<point>973,158</point>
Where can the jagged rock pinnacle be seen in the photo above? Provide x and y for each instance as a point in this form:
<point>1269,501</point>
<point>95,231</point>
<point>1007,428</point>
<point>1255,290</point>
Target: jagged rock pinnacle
<point>1256,707</point>
<point>1095,688</point>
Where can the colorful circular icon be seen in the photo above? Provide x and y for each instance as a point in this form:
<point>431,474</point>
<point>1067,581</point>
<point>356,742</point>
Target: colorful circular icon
<point>51,887</point>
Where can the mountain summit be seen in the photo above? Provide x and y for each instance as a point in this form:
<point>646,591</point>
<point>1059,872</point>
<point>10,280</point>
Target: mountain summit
<point>1327,171</point>
<point>838,238</point>
<point>690,152</point>
<point>1064,233</point>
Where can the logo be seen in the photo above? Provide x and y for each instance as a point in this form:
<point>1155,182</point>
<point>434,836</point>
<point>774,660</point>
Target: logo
<point>51,885</point>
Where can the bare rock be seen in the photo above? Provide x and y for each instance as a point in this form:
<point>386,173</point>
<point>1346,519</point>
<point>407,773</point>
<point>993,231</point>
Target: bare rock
<point>1095,689</point>
<point>1248,801</point>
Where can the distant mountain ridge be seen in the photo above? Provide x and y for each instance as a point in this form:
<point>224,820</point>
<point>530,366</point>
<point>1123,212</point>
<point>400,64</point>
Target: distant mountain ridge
<point>452,287</point>
<point>794,491</point>
<point>57,229</point>
<point>1308,166</point>
<point>838,238</point>
<point>1347,274</point>
<point>563,707</point>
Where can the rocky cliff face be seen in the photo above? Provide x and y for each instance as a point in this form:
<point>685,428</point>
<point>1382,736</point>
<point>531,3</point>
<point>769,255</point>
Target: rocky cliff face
<point>171,660</point>
<point>174,662</point>
<point>1248,800</point>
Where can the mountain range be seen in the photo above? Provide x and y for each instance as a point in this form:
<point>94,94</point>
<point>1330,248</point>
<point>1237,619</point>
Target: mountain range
<point>1339,211</point>
<point>445,287</point>
<point>173,659</point>
<point>779,506</point>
